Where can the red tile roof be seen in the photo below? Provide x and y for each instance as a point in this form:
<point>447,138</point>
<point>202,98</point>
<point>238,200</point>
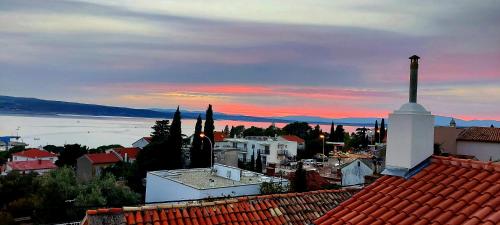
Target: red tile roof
<point>219,136</point>
<point>448,191</point>
<point>102,158</point>
<point>31,165</point>
<point>293,138</point>
<point>35,153</point>
<point>131,152</point>
<point>480,134</point>
<point>292,208</point>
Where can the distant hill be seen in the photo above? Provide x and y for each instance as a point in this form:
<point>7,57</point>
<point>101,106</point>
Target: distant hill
<point>34,106</point>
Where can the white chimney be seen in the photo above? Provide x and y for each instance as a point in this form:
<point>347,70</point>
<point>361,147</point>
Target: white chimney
<point>410,137</point>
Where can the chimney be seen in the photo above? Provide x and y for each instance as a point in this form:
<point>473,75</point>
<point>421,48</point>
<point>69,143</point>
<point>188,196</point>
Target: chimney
<point>410,137</point>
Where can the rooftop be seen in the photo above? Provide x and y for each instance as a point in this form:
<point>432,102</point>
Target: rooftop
<point>205,178</point>
<point>480,134</point>
<point>131,152</point>
<point>31,165</point>
<point>291,208</point>
<point>35,153</point>
<point>293,138</point>
<point>102,158</point>
<point>448,191</point>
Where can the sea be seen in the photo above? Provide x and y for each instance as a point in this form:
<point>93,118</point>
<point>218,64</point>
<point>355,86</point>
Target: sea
<point>94,131</point>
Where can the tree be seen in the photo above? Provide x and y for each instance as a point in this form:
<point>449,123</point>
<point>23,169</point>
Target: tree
<point>208,129</point>
<point>161,130</point>
<point>252,162</point>
<point>105,191</point>
<point>173,158</point>
<point>54,149</point>
<point>272,131</point>
<point>300,129</point>
<point>103,148</point>
<point>70,154</point>
<point>253,131</point>
<point>300,179</point>
<point>363,138</point>
<point>196,154</point>
<point>377,135</point>
<point>382,131</point>
<point>332,136</point>
<point>237,131</point>
<point>258,163</point>
<point>339,133</point>
<point>226,130</point>
<point>268,188</point>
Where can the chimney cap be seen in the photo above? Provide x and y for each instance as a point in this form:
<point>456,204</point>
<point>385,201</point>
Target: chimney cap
<point>414,57</point>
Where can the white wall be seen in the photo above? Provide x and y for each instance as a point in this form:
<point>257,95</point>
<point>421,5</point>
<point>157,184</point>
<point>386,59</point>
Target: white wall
<point>354,174</point>
<point>22,158</point>
<point>481,150</point>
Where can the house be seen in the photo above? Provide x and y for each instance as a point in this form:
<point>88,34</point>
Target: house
<point>446,138</point>
<point>418,188</point>
<point>89,166</point>
<point>226,156</point>
<point>353,173</point>
<point>34,154</point>
<point>481,142</point>
<point>290,208</point>
<point>39,166</point>
<point>125,154</point>
<point>143,142</point>
<point>8,142</point>
<point>301,144</point>
<point>201,183</point>
<point>272,150</point>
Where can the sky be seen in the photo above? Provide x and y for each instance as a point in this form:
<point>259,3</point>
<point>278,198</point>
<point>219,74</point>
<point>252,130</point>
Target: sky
<point>323,58</point>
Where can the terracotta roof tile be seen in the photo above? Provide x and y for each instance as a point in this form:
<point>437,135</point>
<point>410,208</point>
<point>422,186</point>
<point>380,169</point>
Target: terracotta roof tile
<point>293,138</point>
<point>35,153</point>
<point>102,158</point>
<point>291,208</point>
<point>448,191</point>
<point>31,165</point>
<point>480,134</point>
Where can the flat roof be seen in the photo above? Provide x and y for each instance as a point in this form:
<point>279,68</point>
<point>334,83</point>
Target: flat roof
<point>204,178</point>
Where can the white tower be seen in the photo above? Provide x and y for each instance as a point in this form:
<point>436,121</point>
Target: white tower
<point>410,134</point>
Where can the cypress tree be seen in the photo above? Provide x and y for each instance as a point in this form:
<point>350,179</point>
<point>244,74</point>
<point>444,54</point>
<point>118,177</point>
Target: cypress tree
<point>377,136</point>
<point>208,129</point>
<point>382,130</point>
<point>226,131</point>
<point>258,163</point>
<point>252,162</point>
<point>196,152</point>
<point>175,159</point>
<point>332,133</point>
<point>339,133</point>
<point>300,179</point>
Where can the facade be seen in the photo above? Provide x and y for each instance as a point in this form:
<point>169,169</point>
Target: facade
<point>141,143</point>
<point>354,173</point>
<point>202,183</point>
<point>89,166</point>
<point>34,154</point>
<point>272,150</point>
<point>226,156</point>
<point>290,208</point>
<point>301,143</point>
<point>30,166</point>
<point>446,138</point>
<point>481,142</point>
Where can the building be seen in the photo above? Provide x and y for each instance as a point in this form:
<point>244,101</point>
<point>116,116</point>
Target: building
<point>143,142</point>
<point>194,184</point>
<point>301,144</point>
<point>354,173</point>
<point>34,154</point>
<point>446,138</point>
<point>89,166</point>
<point>272,150</point>
<point>39,166</point>
<point>226,156</point>
<point>8,142</point>
<point>418,188</point>
<point>125,154</point>
<point>481,142</point>
<point>291,208</point>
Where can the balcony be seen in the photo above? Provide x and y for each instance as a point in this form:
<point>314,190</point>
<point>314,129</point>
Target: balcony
<point>282,152</point>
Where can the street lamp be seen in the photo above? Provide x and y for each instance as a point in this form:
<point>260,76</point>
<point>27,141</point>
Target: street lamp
<point>322,136</point>
<point>202,136</point>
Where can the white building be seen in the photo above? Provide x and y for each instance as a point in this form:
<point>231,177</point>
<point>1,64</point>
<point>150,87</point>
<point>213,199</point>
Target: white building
<point>34,154</point>
<point>31,166</point>
<point>481,142</point>
<point>272,150</point>
<point>354,173</point>
<point>202,183</point>
<point>141,143</point>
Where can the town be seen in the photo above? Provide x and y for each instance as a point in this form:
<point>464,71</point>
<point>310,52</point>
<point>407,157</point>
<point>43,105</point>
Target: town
<point>297,174</point>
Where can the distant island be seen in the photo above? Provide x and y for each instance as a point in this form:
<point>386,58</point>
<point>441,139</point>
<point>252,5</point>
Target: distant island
<point>32,106</point>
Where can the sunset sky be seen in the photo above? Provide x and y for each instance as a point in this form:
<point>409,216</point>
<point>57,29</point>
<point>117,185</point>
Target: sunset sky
<point>258,57</point>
